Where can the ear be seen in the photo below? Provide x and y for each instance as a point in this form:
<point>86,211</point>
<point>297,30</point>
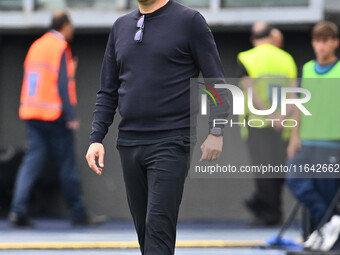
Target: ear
<point>337,42</point>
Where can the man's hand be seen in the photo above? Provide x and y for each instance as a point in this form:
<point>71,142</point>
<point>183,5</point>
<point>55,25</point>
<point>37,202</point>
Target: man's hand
<point>73,124</point>
<point>211,148</point>
<point>96,150</point>
<point>75,63</point>
<point>293,146</point>
<point>246,83</point>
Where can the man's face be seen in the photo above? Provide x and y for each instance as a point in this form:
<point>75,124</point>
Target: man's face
<point>325,47</point>
<point>143,2</point>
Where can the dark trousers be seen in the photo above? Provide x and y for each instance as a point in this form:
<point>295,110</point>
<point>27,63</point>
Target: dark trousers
<point>154,177</point>
<point>46,139</point>
<point>267,147</point>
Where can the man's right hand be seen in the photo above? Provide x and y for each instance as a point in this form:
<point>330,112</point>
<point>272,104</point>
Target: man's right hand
<point>73,124</point>
<point>293,146</point>
<point>96,150</point>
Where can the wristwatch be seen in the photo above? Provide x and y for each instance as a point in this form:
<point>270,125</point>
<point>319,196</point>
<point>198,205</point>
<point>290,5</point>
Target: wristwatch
<point>216,131</point>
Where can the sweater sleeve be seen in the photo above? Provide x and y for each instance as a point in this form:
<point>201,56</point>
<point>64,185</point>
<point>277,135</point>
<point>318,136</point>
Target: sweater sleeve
<point>107,96</point>
<point>68,110</point>
<point>207,59</point>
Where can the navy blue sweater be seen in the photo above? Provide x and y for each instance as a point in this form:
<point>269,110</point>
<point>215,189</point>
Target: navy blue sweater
<point>149,81</point>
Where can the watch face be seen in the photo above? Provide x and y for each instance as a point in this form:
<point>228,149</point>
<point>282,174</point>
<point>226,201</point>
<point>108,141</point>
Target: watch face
<point>216,131</point>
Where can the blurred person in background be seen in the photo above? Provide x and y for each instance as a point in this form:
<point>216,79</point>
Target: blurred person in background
<point>47,105</point>
<point>151,55</point>
<point>316,140</point>
<point>263,67</point>
<point>277,38</point>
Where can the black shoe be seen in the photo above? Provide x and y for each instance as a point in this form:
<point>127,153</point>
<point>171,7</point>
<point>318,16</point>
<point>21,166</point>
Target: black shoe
<point>87,221</point>
<point>252,206</point>
<point>272,217</point>
<point>263,214</point>
<point>19,220</point>
<point>81,222</point>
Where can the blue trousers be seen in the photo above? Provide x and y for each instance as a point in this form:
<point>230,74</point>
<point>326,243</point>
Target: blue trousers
<point>315,193</point>
<point>49,139</point>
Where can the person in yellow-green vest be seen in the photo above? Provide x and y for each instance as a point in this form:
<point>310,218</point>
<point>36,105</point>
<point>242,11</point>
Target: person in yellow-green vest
<point>263,68</point>
<point>314,146</point>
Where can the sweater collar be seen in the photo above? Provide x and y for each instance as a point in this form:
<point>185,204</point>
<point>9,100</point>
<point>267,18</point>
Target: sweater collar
<point>156,12</point>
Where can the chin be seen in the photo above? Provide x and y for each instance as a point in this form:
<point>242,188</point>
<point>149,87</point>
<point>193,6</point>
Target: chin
<point>321,56</point>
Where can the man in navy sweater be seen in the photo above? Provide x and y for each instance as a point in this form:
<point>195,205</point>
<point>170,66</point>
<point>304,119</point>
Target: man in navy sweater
<point>150,57</point>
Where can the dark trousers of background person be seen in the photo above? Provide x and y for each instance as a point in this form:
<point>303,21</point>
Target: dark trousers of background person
<point>46,139</point>
<point>315,189</point>
<point>154,177</point>
<point>266,147</point>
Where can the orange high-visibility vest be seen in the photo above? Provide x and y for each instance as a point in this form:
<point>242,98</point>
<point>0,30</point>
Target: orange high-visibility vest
<point>40,98</point>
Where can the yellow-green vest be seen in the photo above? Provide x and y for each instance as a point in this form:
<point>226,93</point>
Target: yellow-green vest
<point>324,105</point>
<point>269,67</point>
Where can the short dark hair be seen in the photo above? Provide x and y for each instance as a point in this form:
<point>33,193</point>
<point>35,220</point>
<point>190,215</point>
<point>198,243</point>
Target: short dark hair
<point>59,20</point>
<point>263,33</point>
<point>325,30</point>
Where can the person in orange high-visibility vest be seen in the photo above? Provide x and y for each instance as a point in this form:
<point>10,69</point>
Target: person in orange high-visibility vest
<point>48,98</point>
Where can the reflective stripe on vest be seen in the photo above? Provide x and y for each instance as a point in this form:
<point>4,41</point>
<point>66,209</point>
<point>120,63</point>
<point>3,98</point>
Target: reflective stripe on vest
<point>40,97</point>
<point>41,64</point>
<point>58,106</point>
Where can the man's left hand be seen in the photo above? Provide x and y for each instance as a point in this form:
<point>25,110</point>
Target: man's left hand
<point>75,63</point>
<point>211,148</point>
